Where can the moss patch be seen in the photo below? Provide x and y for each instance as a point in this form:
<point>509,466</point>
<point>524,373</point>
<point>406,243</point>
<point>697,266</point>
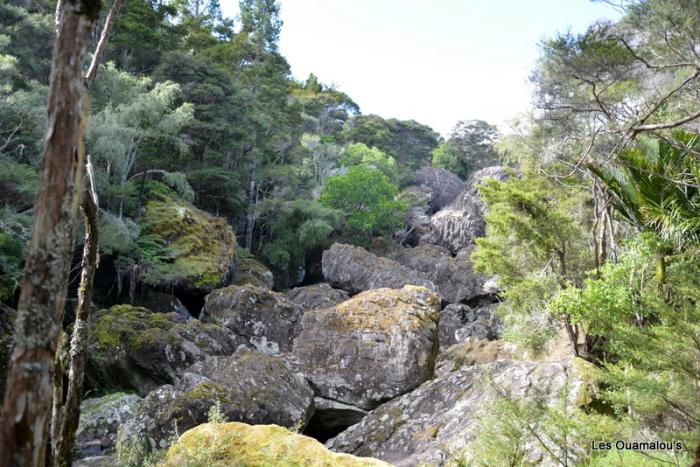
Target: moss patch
<point>202,247</point>
<point>240,444</point>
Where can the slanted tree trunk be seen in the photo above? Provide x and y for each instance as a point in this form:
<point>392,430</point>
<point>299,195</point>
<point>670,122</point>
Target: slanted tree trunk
<point>27,404</point>
<point>66,406</point>
<point>67,412</point>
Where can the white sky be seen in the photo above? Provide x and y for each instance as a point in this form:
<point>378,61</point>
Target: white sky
<point>434,61</point>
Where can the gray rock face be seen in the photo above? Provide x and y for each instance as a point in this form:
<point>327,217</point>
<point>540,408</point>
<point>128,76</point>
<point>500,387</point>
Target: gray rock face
<point>437,420</point>
<point>100,419</point>
<point>250,271</point>
<point>355,270</point>
<point>371,348</point>
<point>458,322</point>
<point>454,278</point>
<point>315,296</point>
<point>444,186</point>
<point>265,319</point>
<point>133,348</point>
<point>162,303</point>
<point>458,224</point>
<point>249,386</point>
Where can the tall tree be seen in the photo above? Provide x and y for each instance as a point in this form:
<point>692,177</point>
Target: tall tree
<point>469,148</point>
<point>27,404</point>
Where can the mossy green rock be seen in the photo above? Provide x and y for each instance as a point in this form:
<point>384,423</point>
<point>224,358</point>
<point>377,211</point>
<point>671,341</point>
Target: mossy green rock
<point>243,445</point>
<point>133,348</point>
<point>202,247</point>
<point>250,271</point>
<point>373,347</point>
<point>249,386</point>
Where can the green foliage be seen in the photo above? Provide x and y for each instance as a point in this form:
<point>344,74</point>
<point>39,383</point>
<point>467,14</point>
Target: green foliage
<point>656,186</point>
<point>407,141</point>
<point>14,236</point>
<point>535,243</point>
<point>296,228</point>
<point>653,368</point>
<point>469,148</point>
<point>368,201</point>
<point>359,154</point>
<point>215,414</point>
<point>510,430</point>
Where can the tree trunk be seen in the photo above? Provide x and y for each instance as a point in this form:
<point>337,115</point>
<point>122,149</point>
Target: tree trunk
<point>67,420</point>
<point>250,215</point>
<point>27,404</point>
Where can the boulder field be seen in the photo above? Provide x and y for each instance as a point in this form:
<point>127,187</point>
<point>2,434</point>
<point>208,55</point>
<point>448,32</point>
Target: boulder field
<point>394,356</point>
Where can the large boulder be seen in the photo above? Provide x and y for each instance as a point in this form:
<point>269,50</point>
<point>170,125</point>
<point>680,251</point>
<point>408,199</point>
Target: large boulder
<point>132,348</point>
<point>265,319</point>
<point>354,269</point>
<point>454,278</point>
<point>162,303</point>
<point>250,271</point>
<point>443,185</point>
<point>462,221</point>
<point>315,296</point>
<point>436,421</point>
<point>226,444</point>
<point>248,387</point>
<point>100,419</point>
<point>202,247</point>
<point>371,348</point>
<point>458,322</point>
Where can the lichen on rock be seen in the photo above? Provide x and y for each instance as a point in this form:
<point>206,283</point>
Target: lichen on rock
<point>371,348</point>
<point>267,320</point>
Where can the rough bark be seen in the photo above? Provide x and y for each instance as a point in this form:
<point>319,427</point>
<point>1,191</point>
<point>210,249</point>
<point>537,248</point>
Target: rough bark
<point>27,404</point>
<point>66,422</point>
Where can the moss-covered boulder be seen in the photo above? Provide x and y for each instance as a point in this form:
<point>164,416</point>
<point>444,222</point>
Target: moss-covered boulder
<point>371,348</point>
<point>250,271</point>
<point>433,424</point>
<point>265,319</point>
<point>132,348</point>
<point>315,296</point>
<point>201,247</point>
<point>100,418</point>
<point>226,444</point>
<point>248,386</point>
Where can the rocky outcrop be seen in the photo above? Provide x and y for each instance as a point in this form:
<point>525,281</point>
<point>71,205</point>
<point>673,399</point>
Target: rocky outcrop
<point>100,419</point>
<point>202,247</point>
<point>162,303</point>
<point>371,348</point>
<point>437,420</point>
<point>443,185</point>
<point>454,278</point>
<point>315,296</point>
<point>250,271</point>
<point>267,320</point>
<point>472,351</point>
<point>458,224</point>
<point>133,348</point>
<point>458,322</point>
<point>249,387</point>
<point>355,270</point>
<point>226,444</point>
